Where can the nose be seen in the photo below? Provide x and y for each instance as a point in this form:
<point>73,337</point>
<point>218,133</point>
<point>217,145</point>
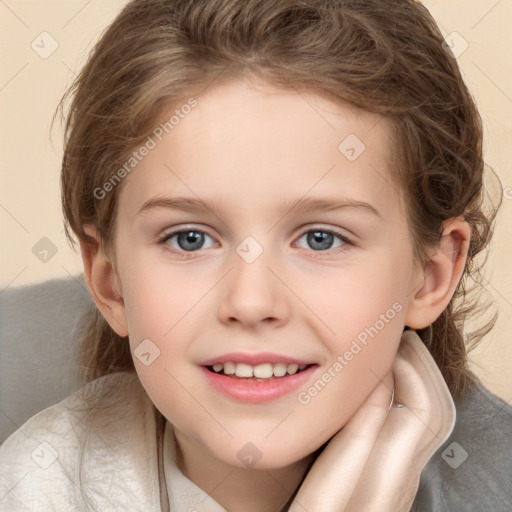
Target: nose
<point>253,294</point>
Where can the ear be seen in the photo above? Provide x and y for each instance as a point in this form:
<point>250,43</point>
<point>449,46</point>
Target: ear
<point>103,282</point>
<point>440,275</point>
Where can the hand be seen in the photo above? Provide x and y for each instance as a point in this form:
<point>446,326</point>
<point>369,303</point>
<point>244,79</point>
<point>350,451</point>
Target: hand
<point>374,463</point>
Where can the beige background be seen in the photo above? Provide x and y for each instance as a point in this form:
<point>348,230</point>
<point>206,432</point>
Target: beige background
<point>31,86</point>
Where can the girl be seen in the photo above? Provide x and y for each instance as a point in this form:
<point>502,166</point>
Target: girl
<point>278,206</point>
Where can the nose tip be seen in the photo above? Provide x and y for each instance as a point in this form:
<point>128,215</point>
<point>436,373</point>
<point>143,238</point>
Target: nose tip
<point>252,293</point>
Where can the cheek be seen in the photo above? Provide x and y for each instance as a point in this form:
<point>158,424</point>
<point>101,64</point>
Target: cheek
<point>348,301</point>
<point>157,298</point>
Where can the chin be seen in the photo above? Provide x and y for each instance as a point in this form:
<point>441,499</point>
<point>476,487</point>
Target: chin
<point>263,455</point>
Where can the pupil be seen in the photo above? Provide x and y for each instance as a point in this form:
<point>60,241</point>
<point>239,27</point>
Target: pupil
<point>316,238</point>
<point>192,237</point>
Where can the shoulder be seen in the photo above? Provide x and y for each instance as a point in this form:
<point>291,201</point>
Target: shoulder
<point>92,450</point>
<point>471,471</point>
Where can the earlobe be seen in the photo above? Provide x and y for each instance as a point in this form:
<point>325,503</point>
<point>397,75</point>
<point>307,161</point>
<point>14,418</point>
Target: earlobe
<point>103,282</point>
<point>440,275</point>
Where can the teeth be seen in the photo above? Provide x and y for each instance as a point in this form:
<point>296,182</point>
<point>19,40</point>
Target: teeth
<point>229,368</point>
<point>280,370</point>
<point>292,369</point>
<point>243,370</point>
<point>261,371</point>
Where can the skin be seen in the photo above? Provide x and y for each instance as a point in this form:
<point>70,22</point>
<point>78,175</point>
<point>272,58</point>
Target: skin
<point>252,149</point>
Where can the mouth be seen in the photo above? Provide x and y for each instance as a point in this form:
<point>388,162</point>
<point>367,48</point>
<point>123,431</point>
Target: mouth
<point>257,378</point>
<point>264,372</point>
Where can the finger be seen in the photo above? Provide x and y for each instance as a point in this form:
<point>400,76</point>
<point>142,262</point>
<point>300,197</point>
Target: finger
<point>421,388</point>
<point>334,475</point>
<point>411,434</point>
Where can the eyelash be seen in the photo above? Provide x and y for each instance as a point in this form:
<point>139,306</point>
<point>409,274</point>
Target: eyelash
<point>182,254</point>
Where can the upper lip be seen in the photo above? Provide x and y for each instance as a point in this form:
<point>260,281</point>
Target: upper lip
<point>253,359</point>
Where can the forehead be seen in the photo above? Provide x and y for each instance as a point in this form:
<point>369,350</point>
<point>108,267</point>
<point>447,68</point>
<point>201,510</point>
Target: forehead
<point>263,143</point>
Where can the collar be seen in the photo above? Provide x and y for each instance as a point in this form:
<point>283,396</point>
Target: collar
<point>184,495</point>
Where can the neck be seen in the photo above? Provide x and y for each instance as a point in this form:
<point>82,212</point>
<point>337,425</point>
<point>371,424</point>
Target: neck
<point>235,488</point>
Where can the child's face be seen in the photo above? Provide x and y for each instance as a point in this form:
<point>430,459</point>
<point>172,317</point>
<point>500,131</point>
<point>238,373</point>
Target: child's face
<point>256,283</point>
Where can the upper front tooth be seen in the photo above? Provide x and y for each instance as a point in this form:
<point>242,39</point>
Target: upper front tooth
<point>243,370</point>
<point>292,368</point>
<point>263,371</point>
<point>280,369</point>
<point>229,368</point>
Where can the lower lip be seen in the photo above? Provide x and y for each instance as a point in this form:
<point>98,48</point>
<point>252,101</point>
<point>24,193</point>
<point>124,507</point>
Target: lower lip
<point>250,391</point>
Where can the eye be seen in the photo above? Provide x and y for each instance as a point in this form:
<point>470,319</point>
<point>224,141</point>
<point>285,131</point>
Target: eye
<point>189,240</point>
<point>322,239</point>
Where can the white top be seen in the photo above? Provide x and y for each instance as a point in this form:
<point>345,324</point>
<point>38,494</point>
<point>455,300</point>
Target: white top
<point>66,459</point>
<point>184,495</point>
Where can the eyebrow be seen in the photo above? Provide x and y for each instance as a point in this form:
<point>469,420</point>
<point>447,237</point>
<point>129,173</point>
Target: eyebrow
<point>301,205</point>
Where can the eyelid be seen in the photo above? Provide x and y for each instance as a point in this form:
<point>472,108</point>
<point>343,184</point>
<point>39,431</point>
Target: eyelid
<point>185,227</point>
<point>341,232</point>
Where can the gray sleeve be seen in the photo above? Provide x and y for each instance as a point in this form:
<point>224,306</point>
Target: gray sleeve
<point>472,471</point>
<point>39,332</point>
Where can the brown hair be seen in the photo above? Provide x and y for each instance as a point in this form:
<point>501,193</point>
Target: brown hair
<point>383,56</point>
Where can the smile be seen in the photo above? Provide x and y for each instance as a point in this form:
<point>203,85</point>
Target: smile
<point>256,378</point>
